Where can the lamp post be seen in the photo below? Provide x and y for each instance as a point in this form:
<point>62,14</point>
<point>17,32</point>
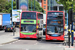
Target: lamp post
<point>34,5</point>
<point>51,4</point>
<point>12,7</point>
<point>12,22</point>
<point>31,5</point>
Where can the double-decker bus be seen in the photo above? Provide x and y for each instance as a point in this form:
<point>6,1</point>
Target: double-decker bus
<point>55,22</point>
<point>29,23</point>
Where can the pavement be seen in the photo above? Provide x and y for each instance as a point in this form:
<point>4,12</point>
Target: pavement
<point>66,39</point>
<point>7,38</point>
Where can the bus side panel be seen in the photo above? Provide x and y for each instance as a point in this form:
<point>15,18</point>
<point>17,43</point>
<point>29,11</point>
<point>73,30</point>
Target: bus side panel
<point>28,36</point>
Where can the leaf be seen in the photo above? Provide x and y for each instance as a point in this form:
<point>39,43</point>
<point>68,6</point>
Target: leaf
<point>37,6</point>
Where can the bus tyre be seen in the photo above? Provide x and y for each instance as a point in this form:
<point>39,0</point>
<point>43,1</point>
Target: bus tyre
<point>38,39</point>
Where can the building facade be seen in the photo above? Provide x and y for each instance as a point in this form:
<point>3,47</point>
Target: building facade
<point>49,5</point>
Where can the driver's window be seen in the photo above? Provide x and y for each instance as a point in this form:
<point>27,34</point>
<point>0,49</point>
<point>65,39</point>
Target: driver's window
<point>21,28</point>
<point>34,30</point>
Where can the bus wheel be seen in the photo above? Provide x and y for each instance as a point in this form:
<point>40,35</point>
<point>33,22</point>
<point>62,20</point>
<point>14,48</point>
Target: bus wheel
<point>38,39</point>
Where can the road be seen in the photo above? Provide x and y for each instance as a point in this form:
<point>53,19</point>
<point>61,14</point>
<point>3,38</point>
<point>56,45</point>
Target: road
<point>27,44</point>
<point>2,32</point>
<point>31,44</point>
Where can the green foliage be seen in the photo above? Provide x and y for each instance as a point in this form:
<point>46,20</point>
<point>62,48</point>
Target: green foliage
<point>74,6</point>
<point>5,6</point>
<point>37,6</point>
<point>67,4</point>
<point>2,5</point>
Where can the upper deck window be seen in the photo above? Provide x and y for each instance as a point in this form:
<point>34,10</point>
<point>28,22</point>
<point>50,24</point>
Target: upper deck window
<point>29,15</point>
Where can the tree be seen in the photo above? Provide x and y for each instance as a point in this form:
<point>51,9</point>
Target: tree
<point>67,4</point>
<point>8,8</point>
<point>37,6</point>
<point>5,6</point>
<point>2,5</point>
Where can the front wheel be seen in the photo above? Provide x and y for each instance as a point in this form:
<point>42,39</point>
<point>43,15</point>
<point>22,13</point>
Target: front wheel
<point>39,38</point>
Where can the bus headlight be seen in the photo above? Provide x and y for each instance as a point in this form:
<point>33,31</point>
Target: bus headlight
<point>37,27</point>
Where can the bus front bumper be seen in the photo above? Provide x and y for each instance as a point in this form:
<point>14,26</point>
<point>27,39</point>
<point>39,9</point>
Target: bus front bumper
<point>60,38</point>
<point>28,36</point>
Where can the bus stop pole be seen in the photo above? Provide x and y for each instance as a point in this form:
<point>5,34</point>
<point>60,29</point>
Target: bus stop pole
<point>72,29</point>
<point>34,5</point>
<point>12,22</point>
<point>69,35</point>
<point>51,4</point>
<point>69,20</point>
<point>72,34</point>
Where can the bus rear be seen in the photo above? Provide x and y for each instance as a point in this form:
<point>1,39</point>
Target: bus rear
<point>28,24</point>
<point>55,22</point>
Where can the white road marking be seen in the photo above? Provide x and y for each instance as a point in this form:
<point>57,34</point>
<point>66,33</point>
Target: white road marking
<point>9,43</point>
<point>19,40</point>
<point>35,44</point>
<point>16,41</point>
<point>13,42</point>
<point>27,49</point>
<point>1,45</point>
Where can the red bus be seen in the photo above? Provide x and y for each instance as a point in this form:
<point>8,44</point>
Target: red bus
<point>28,24</point>
<point>55,22</point>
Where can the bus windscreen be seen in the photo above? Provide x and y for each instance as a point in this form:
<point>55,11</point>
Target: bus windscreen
<point>28,28</point>
<point>28,15</point>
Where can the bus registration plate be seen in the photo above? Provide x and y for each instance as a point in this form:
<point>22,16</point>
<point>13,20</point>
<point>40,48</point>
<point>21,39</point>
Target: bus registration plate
<point>27,37</point>
<point>54,39</point>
